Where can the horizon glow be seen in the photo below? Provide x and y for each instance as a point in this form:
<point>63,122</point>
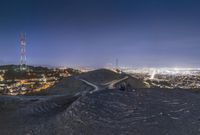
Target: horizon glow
<point>94,33</point>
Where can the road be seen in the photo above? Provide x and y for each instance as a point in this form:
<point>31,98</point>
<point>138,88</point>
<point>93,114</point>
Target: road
<point>96,88</point>
<point>110,85</point>
<point>114,82</point>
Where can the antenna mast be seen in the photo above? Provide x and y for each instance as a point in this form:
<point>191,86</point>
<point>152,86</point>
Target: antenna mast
<point>22,51</point>
<point>117,64</point>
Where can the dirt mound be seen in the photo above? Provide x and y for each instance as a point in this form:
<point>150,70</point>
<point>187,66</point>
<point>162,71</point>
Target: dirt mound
<point>131,83</point>
<point>144,112</point>
<point>100,76</point>
<point>28,115</point>
<point>73,85</point>
<point>67,86</point>
<point>112,112</point>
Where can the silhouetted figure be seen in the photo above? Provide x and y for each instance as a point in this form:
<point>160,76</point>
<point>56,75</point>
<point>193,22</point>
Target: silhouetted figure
<point>123,87</point>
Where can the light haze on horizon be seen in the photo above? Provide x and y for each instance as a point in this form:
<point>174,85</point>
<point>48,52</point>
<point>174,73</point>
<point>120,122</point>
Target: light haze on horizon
<point>140,33</point>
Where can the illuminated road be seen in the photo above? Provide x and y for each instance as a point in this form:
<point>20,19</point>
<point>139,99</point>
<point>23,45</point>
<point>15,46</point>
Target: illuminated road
<point>96,88</point>
<point>113,83</point>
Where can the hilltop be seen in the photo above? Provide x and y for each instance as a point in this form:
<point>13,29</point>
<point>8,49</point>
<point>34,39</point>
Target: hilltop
<point>73,85</point>
<point>100,76</point>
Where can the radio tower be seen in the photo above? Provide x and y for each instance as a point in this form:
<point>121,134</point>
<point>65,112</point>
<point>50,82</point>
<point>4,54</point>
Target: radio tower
<point>22,51</point>
<point>117,64</point>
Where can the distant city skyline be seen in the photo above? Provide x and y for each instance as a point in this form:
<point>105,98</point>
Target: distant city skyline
<point>139,33</point>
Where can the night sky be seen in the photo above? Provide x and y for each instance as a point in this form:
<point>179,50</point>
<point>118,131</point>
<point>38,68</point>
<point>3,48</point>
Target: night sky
<point>154,33</point>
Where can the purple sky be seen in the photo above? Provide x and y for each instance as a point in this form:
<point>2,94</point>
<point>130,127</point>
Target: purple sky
<point>96,32</point>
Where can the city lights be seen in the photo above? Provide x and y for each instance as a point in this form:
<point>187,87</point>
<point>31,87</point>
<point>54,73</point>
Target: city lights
<point>184,78</point>
<point>33,80</point>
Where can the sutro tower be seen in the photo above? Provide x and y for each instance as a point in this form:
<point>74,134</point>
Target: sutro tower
<point>22,51</point>
<point>117,63</point>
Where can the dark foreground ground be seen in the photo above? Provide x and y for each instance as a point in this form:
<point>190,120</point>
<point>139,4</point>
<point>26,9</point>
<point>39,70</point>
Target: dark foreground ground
<point>107,112</point>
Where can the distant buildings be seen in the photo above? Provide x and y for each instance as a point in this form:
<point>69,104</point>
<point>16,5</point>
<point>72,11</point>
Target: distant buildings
<point>183,78</point>
<point>15,82</point>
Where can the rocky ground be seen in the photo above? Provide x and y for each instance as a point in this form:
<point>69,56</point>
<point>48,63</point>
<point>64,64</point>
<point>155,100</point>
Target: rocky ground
<point>104,112</point>
<point>141,112</point>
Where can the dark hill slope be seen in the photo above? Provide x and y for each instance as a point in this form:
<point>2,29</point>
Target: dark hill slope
<point>100,76</point>
<point>23,115</point>
<point>67,86</point>
<point>131,83</point>
<point>107,112</point>
<point>144,112</point>
<point>73,85</point>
